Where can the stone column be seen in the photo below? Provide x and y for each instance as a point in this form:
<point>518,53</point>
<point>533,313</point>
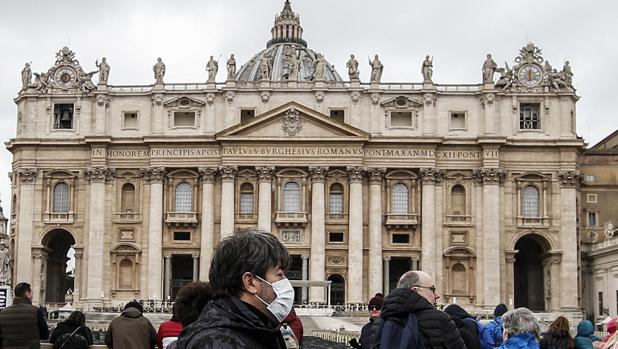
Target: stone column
<point>568,240</point>
<point>77,282</point>
<point>490,231</point>
<point>510,277</point>
<point>265,175</point>
<point>167,278</point>
<point>228,173</point>
<point>96,230</point>
<point>38,256</point>
<point>305,274</point>
<point>355,237</point>
<point>375,231</point>
<point>554,260</point>
<point>25,219</point>
<point>207,240</point>
<point>318,233</point>
<point>429,176</point>
<point>387,278</point>
<point>196,266</point>
<point>155,233</point>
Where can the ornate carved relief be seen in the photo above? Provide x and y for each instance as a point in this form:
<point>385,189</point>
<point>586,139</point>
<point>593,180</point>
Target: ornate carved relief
<point>103,101</point>
<point>265,173</point>
<point>569,179</point>
<point>356,174</point>
<point>208,174</point>
<point>228,173</point>
<point>376,175</point>
<point>265,95</point>
<point>431,175</point>
<point>154,174</point>
<point>318,173</point>
<point>319,96</point>
<point>336,260</point>
<point>355,96</point>
<point>489,175</point>
<point>100,174</point>
<point>27,175</point>
<point>291,123</point>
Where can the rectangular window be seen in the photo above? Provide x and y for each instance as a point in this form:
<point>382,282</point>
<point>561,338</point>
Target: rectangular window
<point>336,203</point>
<point>246,115</point>
<point>601,303</point>
<point>592,219</point>
<point>401,238</point>
<point>591,198</point>
<point>129,121</point>
<point>184,119</point>
<point>529,116</point>
<point>246,203</point>
<point>458,121</point>
<point>338,114</point>
<point>63,116</point>
<point>401,119</point>
<point>182,236</point>
<point>335,237</point>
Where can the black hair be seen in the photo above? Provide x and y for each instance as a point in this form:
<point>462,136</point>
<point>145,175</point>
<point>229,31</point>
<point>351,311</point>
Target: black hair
<point>134,304</point>
<point>190,301</point>
<point>22,288</point>
<point>250,250</point>
<point>77,317</point>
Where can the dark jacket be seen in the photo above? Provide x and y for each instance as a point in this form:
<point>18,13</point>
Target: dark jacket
<point>22,325</point>
<point>550,341</point>
<point>68,327</point>
<point>229,323</point>
<point>466,325</point>
<point>368,333</point>
<point>437,329</point>
<point>585,335</point>
<point>131,330</point>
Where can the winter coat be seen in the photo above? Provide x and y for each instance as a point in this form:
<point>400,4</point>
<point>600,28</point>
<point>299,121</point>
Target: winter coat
<point>168,332</point>
<point>551,341</point>
<point>22,325</point>
<point>436,327</point>
<point>131,330</point>
<point>368,333</point>
<point>585,335</point>
<point>229,323</point>
<point>494,327</point>
<point>466,324</point>
<point>520,341</point>
<point>68,327</point>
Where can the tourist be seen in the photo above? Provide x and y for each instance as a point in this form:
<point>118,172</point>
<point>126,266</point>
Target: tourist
<point>22,325</point>
<point>521,330</point>
<point>296,325</point>
<point>369,329</point>
<point>169,330</point>
<point>557,336</point>
<point>72,333</point>
<point>413,303</point>
<point>190,301</point>
<point>611,329</point>
<point>131,329</point>
<point>585,335</point>
<point>466,324</point>
<point>494,327</point>
<point>252,295</point>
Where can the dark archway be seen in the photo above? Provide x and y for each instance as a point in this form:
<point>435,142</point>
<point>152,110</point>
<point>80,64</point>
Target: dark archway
<point>337,289</point>
<point>58,279</point>
<point>529,277</point>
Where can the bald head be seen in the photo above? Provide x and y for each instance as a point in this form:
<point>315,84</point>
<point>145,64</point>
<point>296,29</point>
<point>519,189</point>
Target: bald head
<point>419,282</point>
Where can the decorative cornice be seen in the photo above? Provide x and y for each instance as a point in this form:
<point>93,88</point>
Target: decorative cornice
<point>228,173</point>
<point>569,179</point>
<point>431,175</point>
<point>154,174</point>
<point>318,174</point>
<point>208,174</point>
<point>376,175</point>
<point>27,174</point>
<point>100,174</point>
<point>265,173</point>
<point>356,174</point>
<point>489,175</point>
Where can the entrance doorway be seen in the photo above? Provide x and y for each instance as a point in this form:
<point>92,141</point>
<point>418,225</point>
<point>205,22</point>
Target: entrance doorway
<point>182,272</point>
<point>529,283</point>
<point>337,289</point>
<point>60,272</point>
<point>397,266</point>
<point>295,272</point>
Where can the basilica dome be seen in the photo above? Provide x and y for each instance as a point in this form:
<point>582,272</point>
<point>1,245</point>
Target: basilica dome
<point>286,57</point>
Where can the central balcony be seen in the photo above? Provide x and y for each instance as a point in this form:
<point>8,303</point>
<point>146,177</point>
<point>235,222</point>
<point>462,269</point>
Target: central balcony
<point>58,218</point>
<point>401,220</point>
<point>289,219</point>
<point>532,222</point>
<point>181,218</point>
<point>126,217</point>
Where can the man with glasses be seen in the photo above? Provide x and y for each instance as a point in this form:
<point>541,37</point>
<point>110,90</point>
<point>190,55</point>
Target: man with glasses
<point>413,305</point>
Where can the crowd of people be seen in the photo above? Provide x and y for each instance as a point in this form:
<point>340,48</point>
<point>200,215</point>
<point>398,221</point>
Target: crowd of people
<point>248,304</point>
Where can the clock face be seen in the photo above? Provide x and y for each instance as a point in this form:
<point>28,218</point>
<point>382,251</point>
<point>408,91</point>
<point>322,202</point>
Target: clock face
<point>65,77</point>
<point>530,75</point>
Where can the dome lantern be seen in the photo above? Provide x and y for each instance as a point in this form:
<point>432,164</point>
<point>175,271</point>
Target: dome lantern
<point>287,28</point>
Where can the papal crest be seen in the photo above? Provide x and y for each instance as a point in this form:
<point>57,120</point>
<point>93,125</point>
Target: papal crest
<point>291,122</point>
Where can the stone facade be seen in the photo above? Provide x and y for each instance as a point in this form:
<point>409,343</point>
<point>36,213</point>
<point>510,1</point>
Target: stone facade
<point>361,181</point>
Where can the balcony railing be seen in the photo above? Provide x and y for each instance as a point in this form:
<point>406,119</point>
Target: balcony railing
<point>246,217</point>
<point>291,218</point>
<point>126,217</point>
<point>537,222</point>
<point>59,218</point>
<point>453,219</point>
<point>401,219</point>
<point>181,218</point>
<point>336,217</point>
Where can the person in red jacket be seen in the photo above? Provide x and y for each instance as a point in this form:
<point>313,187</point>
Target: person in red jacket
<point>297,326</point>
<point>169,330</point>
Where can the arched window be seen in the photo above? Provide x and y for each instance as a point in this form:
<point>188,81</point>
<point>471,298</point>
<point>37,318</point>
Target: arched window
<point>246,199</point>
<point>399,199</point>
<point>291,197</point>
<point>530,202</point>
<point>61,198</point>
<point>459,279</point>
<point>458,200</point>
<point>184,197</point>
<point>127,200</point>
<point>336,199</point>
<point>125,275</point>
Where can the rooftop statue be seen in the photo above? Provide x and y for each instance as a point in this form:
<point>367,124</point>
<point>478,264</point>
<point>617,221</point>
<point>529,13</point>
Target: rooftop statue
<point>26,76</point>
<point>489,68</point>
<point>5,264</point>
<point>507,78</point>
<point>265,66</point>
<point>352,66</point>
<point>212,67</point>
<point>41,82</point>
<point>376,69</point>
<point>159,71</point>
<point>568,74</point>
<point>231,68</point>
<point>319,71</point>
<point>427,69</point>
<point>85,82</point>
<point>290,64</point>
<point>103,71</point>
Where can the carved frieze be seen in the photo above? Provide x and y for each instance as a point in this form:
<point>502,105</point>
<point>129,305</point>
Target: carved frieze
<point>208,174</point>
<point>336,260</point>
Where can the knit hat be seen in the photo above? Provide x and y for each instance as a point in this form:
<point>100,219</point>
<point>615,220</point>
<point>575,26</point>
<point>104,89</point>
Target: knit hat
<point>376,301</point>
<point>500,310</point>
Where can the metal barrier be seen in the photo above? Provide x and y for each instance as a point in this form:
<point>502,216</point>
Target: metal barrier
<point>336,336</point>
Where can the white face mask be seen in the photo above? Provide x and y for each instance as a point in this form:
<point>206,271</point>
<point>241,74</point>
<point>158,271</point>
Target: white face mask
<point>284,300</point>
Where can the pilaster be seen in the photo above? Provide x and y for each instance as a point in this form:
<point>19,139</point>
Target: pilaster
<point>355,240</point>
<point>376,177</point>
<point>228,176</point>
<point>207,239</point>
<point>265,176</point>
<point>318,233</point>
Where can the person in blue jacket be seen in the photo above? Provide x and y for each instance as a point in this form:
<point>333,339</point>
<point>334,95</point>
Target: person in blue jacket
<point>585,335</point>
<point>494,327</point>
<point>521,330</point>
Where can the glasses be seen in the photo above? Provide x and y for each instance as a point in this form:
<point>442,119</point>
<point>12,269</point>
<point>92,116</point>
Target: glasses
<point>431,288</point>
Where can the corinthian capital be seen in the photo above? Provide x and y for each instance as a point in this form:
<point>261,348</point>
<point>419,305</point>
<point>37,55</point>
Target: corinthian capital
<point>489,175</point>
<point>27,175</point>
<point>154,174</point>
<point>318,173</point>
<point>100,174</point>
<point>376,175</point>
<point>431,175</point>
<point>265,173</point>
<point>208,174</point>
<point>356,174</point>
<point>569,179</point>
<point>228,173</point>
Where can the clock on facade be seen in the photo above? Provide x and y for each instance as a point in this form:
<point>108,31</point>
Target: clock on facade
<point>530,75</point>
<point>65,77</point>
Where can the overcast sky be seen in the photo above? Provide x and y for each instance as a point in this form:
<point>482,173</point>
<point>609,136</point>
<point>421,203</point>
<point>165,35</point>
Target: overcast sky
<point>458,33</point>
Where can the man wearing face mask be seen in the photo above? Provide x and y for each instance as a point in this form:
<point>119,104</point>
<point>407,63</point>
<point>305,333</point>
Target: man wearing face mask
<point>251,296</point>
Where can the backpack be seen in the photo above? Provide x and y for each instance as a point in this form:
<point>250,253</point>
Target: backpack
<point>486,338</point>
<point>71,341</point>
<point>398,333</point>
<point>494,331</point>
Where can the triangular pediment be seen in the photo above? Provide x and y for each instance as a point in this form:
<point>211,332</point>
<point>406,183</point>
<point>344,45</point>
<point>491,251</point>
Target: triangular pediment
<point>184,103</point>
<point>292,121</point>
